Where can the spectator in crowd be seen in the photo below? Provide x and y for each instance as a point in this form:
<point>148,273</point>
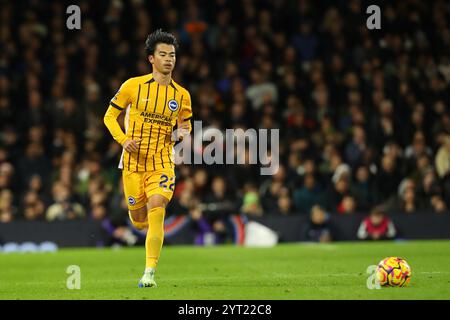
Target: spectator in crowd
<point>36,184</point>
<point>384,125</point>
<point>377,226</point>
<point>33,206</point>
<point>308,196</point>
<point>271,189</point>
<point>7,210</point>
<point>417,148</point>
<point>355,149</point>
<point>284,205</point>
<point>348,205</point>
<point>7,174</point>
<point>63,207</point>
<point>200,183</point>
<point>407,195</point>
<point>34,162</point>
<point>251,203</point>
<point>438,204</point>
<point>217,209</point>
<point>442,159</point>
<point>387,179</point>
<point>442,163</point>
<point>209,231</point>
<point>219,197</point>
<point>261,90</point>
<point>318,228</point>
<point>338,191</point>
<point>362,189</point>
<point>428,189</point>
<point>183,203</point>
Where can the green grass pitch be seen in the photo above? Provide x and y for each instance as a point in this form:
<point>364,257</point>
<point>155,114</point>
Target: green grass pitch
<point>287,271</point>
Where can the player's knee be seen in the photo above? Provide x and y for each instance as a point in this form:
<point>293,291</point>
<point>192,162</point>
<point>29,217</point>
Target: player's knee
<point>139,218</point>
<point>139,215</point>
<point>157,201</point>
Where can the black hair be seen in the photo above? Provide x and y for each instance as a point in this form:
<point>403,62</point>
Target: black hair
<point>159,36</point>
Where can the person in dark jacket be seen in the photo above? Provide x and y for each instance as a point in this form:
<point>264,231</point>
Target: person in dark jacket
<point>318,229</point>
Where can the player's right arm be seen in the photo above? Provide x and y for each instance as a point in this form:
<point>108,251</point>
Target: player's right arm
<point>116,106</point>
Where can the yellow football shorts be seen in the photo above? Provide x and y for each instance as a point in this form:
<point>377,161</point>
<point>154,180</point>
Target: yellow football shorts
<point>140,186</point>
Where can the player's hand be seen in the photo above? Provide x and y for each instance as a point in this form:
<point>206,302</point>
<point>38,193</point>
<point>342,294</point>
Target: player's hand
<point>131,145</point>
<point>183,129</point>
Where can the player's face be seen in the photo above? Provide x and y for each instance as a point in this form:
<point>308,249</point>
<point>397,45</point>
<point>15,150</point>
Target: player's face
<point>164,58</point>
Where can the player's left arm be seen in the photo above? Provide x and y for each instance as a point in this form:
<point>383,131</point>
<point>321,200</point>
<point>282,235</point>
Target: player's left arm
<point>185,116</point>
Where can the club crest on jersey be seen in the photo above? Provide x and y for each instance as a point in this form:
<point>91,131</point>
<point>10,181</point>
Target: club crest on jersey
<point>131,201</point>
<point>173,105</point>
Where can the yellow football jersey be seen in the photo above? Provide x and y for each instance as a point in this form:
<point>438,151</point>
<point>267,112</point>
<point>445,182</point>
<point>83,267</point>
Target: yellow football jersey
<point>152,110</point>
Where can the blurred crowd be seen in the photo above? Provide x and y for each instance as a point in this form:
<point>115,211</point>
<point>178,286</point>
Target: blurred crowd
<point>364,115</point>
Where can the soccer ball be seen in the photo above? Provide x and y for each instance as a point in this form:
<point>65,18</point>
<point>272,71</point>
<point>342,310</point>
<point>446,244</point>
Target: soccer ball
<point>394,272</point>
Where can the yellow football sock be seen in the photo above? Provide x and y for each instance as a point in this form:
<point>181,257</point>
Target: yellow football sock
<point>155,236</point>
